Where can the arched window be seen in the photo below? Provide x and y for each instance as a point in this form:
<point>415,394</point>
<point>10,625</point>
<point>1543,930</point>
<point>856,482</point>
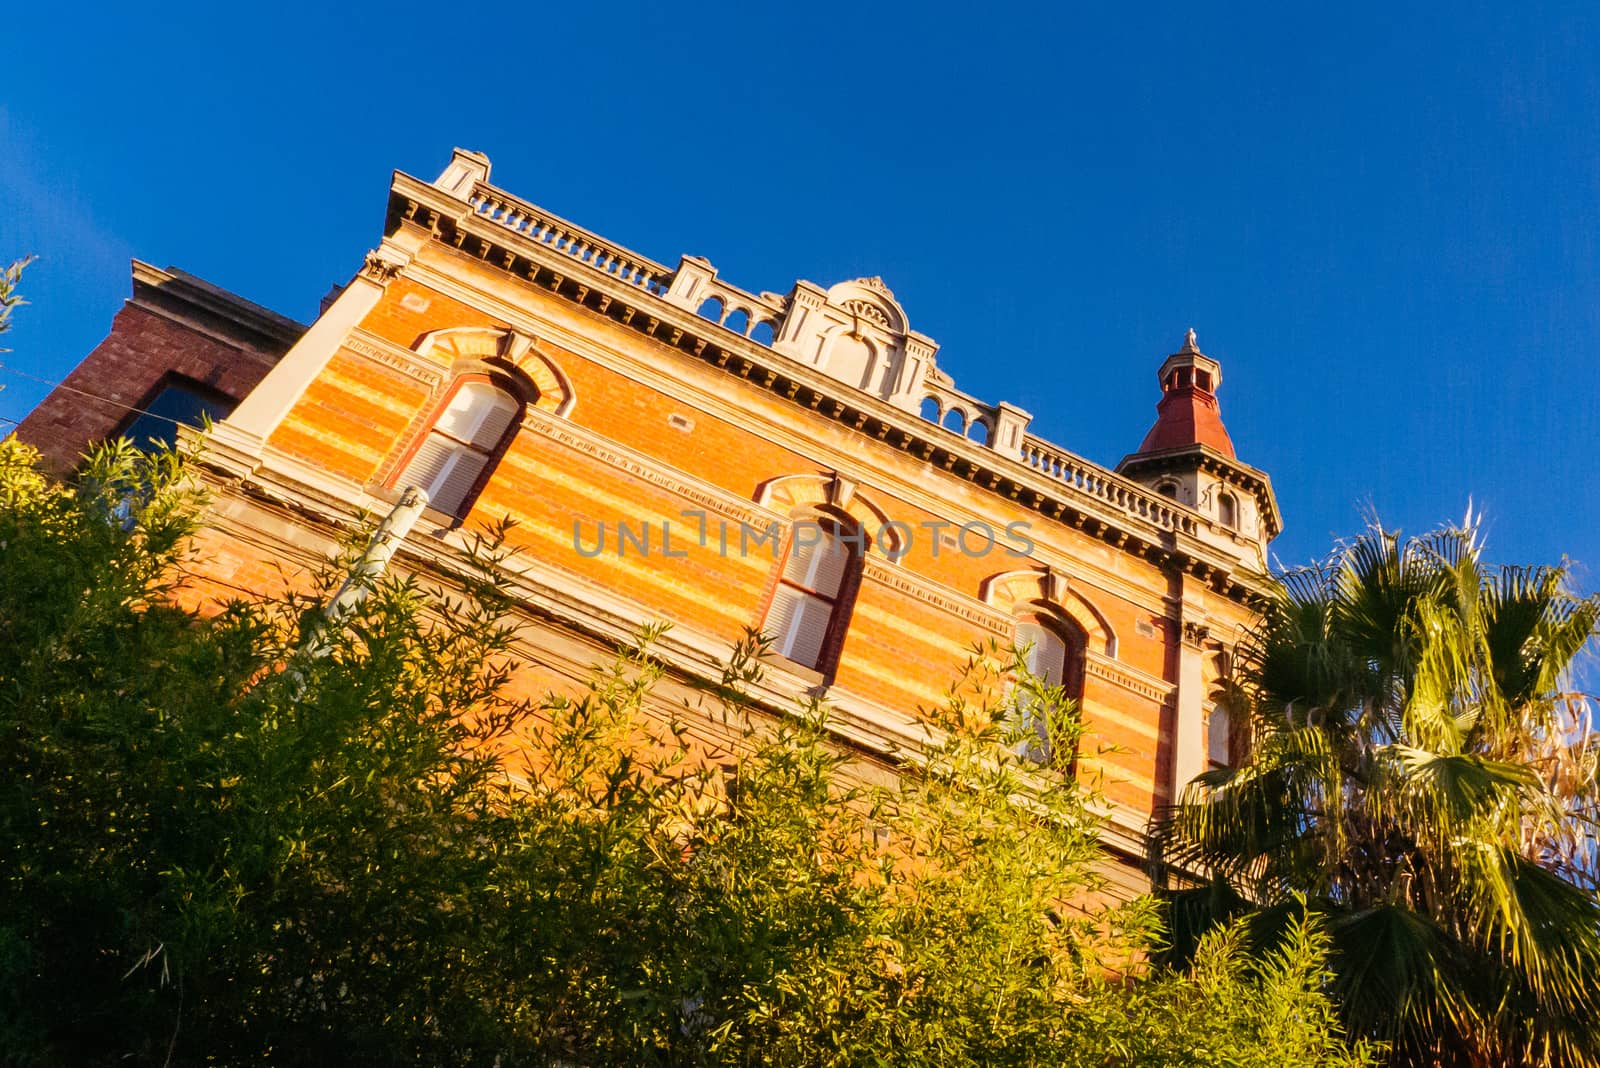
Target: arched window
<point>1219,738</point>
<point>811,606</point>
<point>1168,489</point>
<point>1053,652</point>
<point>469,433</point>
<point>1228,511</point>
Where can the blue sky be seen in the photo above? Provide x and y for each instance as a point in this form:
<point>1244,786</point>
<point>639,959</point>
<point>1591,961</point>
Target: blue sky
<point>1385,223</point>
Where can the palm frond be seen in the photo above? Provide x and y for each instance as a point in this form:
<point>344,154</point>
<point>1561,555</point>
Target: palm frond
<point>1454,788</point>
<point>1394,969</point>
<point>1541,925</point>
<point>1418,771</point>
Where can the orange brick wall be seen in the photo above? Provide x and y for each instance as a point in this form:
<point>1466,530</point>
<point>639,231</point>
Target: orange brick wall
<point>357,418</point>
<point>618,458</point>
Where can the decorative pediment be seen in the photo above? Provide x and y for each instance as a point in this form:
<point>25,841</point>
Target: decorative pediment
<point>857,332</point>
<point>871,300</point>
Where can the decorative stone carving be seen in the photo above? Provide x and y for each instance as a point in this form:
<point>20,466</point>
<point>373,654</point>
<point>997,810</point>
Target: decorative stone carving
<point>792,495</point>
<point>380,269</point>
<point>841,490</point>
<point>1013,591</point>
<point>868,311</point>
<point>857,333</point>
<point>553,390</point>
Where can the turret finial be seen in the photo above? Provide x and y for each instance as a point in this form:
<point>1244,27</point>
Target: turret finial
<point>1189,343</point>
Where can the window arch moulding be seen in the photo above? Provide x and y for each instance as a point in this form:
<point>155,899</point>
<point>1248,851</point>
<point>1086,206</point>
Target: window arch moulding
<point>1017,592</point>
<point>552,389</point>
<point>799,495</point>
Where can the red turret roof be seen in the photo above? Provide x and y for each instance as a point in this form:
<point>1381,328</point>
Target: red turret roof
<point>1187,413</point>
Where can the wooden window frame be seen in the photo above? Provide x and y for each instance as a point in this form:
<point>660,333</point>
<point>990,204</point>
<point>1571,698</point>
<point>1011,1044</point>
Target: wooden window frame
<point>842,604</point>
<point>1074,661</point>
<point>492,456</point>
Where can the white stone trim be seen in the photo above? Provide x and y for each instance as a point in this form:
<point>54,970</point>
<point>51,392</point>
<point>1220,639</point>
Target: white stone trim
<point>259,414</point>
<point>790,434</point>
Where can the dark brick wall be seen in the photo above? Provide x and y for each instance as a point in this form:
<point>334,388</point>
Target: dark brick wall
<point>174,325</point>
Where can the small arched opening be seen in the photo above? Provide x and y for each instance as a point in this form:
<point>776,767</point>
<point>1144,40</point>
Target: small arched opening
<point>1228,511</point>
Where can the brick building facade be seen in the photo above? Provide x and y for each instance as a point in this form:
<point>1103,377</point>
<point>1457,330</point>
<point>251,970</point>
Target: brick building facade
<point>179,344</point>
<point>674,448</point>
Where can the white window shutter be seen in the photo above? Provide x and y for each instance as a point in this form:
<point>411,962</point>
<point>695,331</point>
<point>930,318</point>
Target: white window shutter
<point>1047,653</point>
<point>478,413</point>
<point>424,469</point>
<point>445,470</point>
<point>462,414</point>
<point>820,566</point>
<point>458,448</point>
<point>455,480</point>
<point>798,625</point>
<point>780,619</point>
<point>493,418</point>
<point>1046,658</point>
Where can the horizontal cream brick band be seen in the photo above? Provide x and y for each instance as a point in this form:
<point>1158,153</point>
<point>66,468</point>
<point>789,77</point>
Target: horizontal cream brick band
<point>382,351</point>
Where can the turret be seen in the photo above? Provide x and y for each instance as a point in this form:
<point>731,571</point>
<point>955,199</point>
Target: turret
<point>1188,456</point>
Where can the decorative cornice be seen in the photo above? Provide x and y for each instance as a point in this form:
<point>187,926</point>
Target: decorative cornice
<point>938,595</point>
<point>173,293</point>
<point>624,298</point>
<point>1130,679</point>
<point>396,358</point>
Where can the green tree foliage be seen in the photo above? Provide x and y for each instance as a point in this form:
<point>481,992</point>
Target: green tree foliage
<point>1423,776</point>
<point>221,842</point>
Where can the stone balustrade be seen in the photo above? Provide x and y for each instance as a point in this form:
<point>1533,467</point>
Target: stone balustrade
<point>958,411</point>
<point>756,317</point>
<point>536,224</point>
<point>760,317</point>
<point>1120,493</point>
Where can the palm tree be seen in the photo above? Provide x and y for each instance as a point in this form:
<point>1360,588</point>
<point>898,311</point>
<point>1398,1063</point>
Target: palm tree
<point>1422,776</point>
